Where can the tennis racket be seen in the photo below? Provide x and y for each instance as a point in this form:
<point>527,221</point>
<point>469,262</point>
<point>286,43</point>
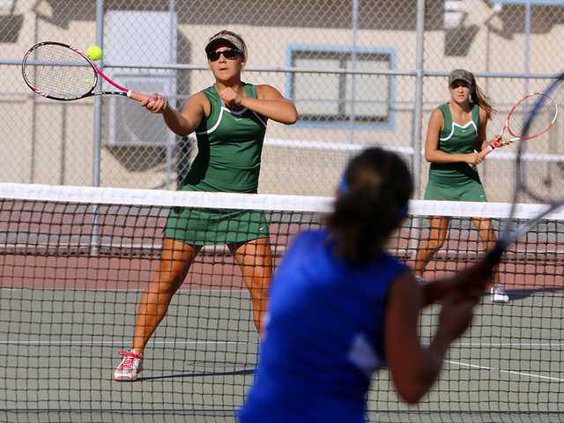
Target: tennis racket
<point>552,195</point>
<point>516,117</point>
<point>62,72</point>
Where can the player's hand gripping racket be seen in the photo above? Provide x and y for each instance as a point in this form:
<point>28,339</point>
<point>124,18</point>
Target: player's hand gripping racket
<point>61,72</point>
<point>540,116</point>
<point>516,119</point>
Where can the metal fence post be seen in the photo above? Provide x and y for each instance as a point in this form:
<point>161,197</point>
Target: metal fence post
<point>97,141</point>
<point>418,104</point>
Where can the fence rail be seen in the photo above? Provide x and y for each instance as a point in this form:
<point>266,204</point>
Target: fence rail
<point>382,65</point>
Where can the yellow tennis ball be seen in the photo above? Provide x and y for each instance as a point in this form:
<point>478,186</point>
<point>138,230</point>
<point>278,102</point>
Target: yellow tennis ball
<point>94,53</point>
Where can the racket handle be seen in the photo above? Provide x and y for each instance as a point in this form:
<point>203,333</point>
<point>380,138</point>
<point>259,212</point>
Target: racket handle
<point>498,142</point>
<point>489,149</point>
<point>473,166</point>
<point>137,96</point>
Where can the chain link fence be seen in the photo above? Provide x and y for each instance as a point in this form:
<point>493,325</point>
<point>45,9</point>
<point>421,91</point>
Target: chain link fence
<point>361,72</point>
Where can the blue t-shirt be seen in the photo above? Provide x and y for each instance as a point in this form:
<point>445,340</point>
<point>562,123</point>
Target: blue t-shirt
<point>323,335</point>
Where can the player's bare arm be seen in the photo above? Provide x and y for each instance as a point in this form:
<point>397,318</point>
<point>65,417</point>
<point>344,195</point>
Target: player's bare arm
<point>271,104</point>
<point>181,122</point>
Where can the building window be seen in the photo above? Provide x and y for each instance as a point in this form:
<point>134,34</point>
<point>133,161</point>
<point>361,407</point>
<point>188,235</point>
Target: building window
<point>338,97</point>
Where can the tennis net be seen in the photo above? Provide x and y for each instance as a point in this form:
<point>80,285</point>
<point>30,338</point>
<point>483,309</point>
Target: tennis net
<point>74,261</point>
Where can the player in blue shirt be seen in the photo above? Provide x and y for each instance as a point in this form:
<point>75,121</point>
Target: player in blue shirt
<point>341,308</point>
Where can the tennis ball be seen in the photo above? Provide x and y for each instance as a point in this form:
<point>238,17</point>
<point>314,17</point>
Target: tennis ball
<point>94,53</point>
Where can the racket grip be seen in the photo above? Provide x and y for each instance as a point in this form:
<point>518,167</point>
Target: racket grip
<point>137,96</point>
<point>489,149</point>
<point>473,166</point>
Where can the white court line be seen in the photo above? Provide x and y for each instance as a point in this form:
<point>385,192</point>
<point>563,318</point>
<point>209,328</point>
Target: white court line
<point>511,372</point>
<point>514,345</point>
<point>183,290</point>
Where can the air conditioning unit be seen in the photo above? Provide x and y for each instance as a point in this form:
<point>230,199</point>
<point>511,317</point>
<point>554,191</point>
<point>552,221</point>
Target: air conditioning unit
<point>140,37</point>
<point>131,125</point>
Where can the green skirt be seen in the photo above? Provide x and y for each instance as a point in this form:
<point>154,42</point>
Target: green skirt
<point>215,226</point>
<point>471,190</point>
<point>454,182</point>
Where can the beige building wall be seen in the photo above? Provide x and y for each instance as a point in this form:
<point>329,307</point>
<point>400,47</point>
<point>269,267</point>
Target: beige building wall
<point>52,142</point>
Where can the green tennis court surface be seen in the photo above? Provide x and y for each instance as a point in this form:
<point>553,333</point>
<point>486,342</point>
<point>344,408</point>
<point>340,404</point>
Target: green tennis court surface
<point>60,358</point>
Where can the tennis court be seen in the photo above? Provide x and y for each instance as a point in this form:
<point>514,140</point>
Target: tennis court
<point>60,360</point>
<point>63,371</point>
<point>507,368</point>
<point>72,271</point>
<point>74,261</point>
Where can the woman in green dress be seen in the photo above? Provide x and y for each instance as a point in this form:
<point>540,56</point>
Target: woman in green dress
<point>456,142</point>
<point>229,119</point>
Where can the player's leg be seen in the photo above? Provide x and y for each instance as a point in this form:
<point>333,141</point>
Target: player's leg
<point>255,259</point>
<point>176,260</point>
<point>428,247</point>
<point>485,231</point>
<point>488,237</point>
<point>153,305</point>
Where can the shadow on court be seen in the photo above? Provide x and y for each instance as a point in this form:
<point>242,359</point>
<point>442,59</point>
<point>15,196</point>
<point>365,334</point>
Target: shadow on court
<point>521,294</point>
<point>194,375</point>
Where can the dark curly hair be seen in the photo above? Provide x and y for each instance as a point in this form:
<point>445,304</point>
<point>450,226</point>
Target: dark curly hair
<point>372,202</point>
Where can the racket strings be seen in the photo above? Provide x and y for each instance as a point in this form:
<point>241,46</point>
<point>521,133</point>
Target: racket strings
<point>542,122</point>
<point>544,182</point>
<point>554,178</point>
<point>59,71</point>
<point>557,176</point>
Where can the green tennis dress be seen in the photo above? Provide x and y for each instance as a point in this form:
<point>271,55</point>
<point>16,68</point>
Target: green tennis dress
<point>456,181</point>
<point>229,154</point>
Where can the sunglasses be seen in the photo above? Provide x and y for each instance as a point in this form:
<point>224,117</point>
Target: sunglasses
<point>230,54</point>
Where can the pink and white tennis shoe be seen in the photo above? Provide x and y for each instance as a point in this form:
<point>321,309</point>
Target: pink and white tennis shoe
<point>131,365</point>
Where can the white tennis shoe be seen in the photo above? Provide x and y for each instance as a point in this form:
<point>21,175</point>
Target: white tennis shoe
<point>131,365</point>
<point>498,294</point>
<point>419,280</point>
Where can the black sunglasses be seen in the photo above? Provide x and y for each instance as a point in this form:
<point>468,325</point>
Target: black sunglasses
<point>230,54</point>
